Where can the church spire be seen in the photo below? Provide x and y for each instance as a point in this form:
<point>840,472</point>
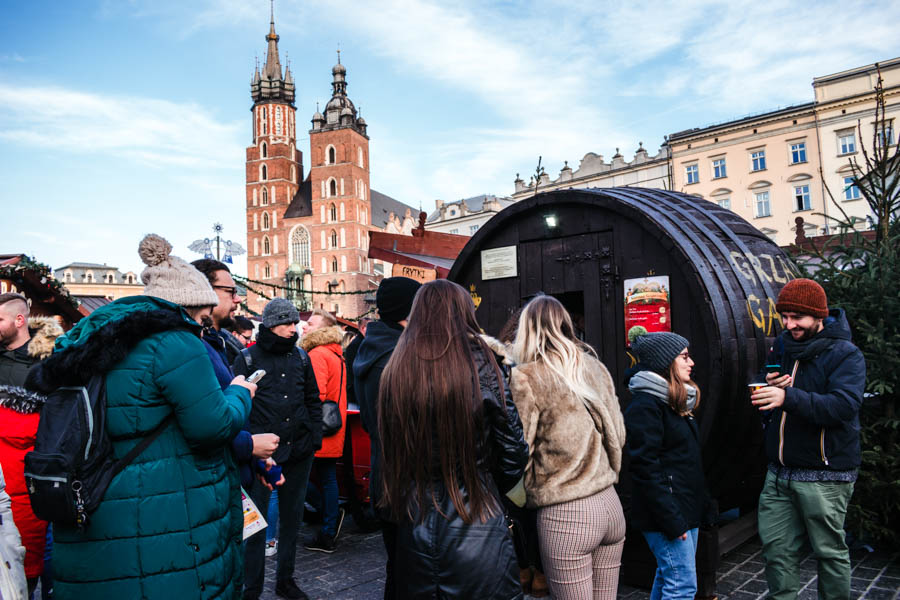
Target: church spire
<point>272,84</point>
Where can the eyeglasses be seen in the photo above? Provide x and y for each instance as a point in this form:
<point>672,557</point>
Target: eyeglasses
<point>232,291</point>
<point>685,355</point>
<point>246,338</point>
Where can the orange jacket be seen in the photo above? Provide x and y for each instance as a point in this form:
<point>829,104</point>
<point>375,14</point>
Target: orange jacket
<point>326,356</point>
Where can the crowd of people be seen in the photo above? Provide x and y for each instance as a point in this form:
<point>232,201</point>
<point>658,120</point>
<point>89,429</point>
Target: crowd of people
<point>493,461</point>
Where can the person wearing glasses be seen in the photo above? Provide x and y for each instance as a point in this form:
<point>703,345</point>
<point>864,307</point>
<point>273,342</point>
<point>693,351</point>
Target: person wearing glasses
<point>220,279</point>
<point>669,497</point>
<point>242,331</point>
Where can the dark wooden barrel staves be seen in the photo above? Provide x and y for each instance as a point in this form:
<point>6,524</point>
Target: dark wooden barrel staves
<point>724,276</point>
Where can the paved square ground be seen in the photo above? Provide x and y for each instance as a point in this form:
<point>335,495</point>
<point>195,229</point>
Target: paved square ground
<point>356,572</point>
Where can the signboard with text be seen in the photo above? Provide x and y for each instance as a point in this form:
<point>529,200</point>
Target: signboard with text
<point>420,274</point>
<point>647,304</point>
<point>498,263</point>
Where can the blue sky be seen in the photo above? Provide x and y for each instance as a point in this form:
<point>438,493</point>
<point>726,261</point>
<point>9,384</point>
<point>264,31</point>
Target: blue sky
<point>123,117</point>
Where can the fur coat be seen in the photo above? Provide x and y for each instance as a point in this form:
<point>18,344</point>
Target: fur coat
<point>575,446</point>
<point>325,354</point>
<point>15,364</point>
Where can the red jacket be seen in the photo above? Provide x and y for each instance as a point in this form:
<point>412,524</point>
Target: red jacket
<point>326,355</point>
<point>17,433</point>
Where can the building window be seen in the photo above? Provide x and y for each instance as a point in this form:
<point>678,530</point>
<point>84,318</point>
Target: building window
<point>763,208</point>
<point>300,253</point>
<point>332,188</point>
<point>267,248</point>
<point>130,279</point>
<point>89,278</point>
<point>263,173</point>
<point>801,198</point>
<point>264,150</point>
<point>851,190</point>
<point>359,155</point>
<point>334,264</point>
<point>884,136</point>
<point>110,278</point>
<point>718,166</point>
<point>334,239</point>
<point>846,143</point>
<point>293,174</point>
<point>473,229</point>
<point>758,160</point>
<point>332,211</point>
<point>691,174</point>
<point>265,221</point>
<point>454,231</point>
<point>264,197</point>
<point>798,153</point>
<point>724,203</point>
<point>278,121</point>
<point>267,271</point>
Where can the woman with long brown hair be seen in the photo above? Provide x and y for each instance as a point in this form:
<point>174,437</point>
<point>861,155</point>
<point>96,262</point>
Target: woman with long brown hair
<point>669,498</point>
<point>574,428</point>
<point>452,444</point>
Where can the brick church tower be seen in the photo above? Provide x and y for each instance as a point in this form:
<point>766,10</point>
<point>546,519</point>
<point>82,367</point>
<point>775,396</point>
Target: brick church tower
<point>274,167</point>
<point>310,233</point>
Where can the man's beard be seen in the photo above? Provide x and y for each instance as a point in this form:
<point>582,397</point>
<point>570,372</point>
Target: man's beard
<point>808,333</point>
<point>7,335</point>
<point>226,323</point>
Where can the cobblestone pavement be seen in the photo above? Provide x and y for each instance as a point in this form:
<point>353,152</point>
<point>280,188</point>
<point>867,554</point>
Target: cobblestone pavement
<point>356,572</point>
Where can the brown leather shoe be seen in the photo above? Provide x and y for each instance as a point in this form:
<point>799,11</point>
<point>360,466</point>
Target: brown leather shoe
<point>525,580</point>
<point>539,588</point>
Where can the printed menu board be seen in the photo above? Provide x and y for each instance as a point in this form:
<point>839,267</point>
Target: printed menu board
<point>647,304</point>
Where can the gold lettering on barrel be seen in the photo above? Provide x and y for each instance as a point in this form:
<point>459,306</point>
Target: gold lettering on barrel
<point>766,318</point>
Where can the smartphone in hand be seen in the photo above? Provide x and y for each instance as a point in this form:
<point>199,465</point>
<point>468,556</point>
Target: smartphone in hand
<point>256,376</point>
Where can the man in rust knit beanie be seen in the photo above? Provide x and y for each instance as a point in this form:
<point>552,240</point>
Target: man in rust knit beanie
<point>811,418</point>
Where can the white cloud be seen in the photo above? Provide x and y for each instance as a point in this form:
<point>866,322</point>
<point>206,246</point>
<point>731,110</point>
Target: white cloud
<point>149,131</point>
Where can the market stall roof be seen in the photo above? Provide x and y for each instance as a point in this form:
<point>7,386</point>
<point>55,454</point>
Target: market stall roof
<point>428,249</point>
<point>35,280</point>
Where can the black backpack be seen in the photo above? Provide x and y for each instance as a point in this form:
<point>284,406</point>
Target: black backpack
<point>72,464</point>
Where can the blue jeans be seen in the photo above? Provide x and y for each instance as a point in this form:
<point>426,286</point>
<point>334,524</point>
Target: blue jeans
<point>326,468</point>
<point>272,517</point>
<point>676,571</point>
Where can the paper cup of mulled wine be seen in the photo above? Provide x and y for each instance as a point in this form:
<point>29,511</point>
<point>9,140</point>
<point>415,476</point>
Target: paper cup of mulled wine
<point>757,386</point>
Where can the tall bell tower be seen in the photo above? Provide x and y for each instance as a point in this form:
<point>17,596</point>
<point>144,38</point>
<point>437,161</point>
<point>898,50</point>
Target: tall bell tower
<point>274,166</point>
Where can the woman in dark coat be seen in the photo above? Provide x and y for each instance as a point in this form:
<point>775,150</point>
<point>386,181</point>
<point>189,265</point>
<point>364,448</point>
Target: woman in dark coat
<point>669,497</point>
<point>452,444</point>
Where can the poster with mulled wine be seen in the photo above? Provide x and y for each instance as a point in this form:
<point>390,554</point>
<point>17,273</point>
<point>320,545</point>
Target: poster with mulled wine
<point>647,304</point>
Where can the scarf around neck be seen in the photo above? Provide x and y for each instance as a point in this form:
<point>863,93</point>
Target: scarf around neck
<point>655,385</point>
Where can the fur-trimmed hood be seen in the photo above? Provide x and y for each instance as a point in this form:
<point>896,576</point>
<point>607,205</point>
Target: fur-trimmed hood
<point>102,339</point>
<point>321,337</point>
<point>499,348</point>
<point>44,331</point>
<point>20,400</point>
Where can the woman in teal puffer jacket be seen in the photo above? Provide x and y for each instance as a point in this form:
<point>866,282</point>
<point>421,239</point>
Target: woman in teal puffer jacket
<point>170,523</point>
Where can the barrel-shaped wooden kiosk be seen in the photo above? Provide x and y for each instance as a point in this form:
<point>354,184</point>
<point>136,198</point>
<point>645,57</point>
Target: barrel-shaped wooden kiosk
<point>592,248</point>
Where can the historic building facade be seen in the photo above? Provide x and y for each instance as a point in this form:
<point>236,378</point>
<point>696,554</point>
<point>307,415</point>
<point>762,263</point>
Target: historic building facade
<point>466,216</point>
<point>310,233</point>
<point>777,166</point>
<point>644,170</point>
<point>92,279</point>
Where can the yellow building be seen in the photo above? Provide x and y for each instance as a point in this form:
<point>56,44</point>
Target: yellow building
<point>768,168</point>
<point>95,280</point>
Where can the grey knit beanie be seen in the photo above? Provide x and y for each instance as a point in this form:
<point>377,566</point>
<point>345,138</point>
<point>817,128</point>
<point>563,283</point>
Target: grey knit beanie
<point>657,350</point>
<point>280,312</point>
<point>171,278</point>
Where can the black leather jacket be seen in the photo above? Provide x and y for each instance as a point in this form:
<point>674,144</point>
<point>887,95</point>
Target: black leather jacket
<point>443,557</point>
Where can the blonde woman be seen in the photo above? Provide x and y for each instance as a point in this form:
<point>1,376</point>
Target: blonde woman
<point>575,433</point>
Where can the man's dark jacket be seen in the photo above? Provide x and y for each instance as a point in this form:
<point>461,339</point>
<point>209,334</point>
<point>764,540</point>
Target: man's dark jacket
<point>287,398</point>
<point>371,359</point>
<point>817,427</point>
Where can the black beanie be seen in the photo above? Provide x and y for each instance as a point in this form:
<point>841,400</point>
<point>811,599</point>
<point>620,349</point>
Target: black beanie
<point>394,298</point>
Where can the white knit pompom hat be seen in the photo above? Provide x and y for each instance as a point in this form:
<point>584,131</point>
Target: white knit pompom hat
<point>171,278</point>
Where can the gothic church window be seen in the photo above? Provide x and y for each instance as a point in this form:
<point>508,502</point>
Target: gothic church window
<point>333,188</point>
<point>264,201</point>
<point>278,121</point>
<point>263,173</point>
<point>264,150</point>
<point>265,221</point>
<point>331,156</point>
<point>332,210</point>
<point>359,156</point>
<point>300,253</point>
<point>267,271</point>
<point>267,248</point>
<point>334,264</point>
<point>334,239</point>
